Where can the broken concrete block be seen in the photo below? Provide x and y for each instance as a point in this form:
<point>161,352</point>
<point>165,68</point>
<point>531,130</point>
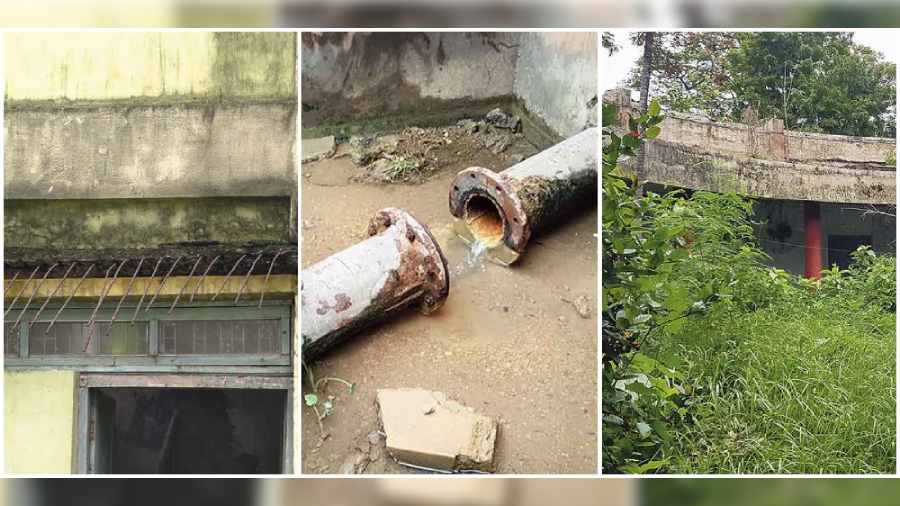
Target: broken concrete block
<point>425,429</point>
<point>317,149</point>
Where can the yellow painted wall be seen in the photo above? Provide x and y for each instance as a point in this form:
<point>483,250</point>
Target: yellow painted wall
<point>39,416</point>
<point>117,66</point>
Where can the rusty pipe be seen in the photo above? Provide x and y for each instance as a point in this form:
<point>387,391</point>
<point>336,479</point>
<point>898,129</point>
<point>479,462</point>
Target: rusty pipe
<point>399,265</point>
<point>503,210</point>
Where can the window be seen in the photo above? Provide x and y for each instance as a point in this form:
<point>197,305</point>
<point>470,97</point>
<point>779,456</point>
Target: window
<point>204,334</point>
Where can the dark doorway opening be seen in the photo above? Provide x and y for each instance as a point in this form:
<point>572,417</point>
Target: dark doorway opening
<point>841,246</point>
<point>186,431</point>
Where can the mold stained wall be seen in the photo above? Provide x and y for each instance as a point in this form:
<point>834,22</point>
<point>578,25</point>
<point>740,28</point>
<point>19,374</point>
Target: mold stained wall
<point>556,79</point>
<point>195,124</point>
<point>357,77</point>
<point>39,418</point>
<point>123,115</point>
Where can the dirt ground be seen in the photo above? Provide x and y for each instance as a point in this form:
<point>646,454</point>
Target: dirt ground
<point>508,342</point>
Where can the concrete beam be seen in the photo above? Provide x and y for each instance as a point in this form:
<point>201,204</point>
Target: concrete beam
<point>682,166</point>
<point>762,159</point>
<point>278,286</point>
<point>150,151</point>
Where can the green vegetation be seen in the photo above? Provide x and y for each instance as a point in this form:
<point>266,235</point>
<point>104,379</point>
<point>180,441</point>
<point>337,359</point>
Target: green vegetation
<point>770,492</point>
<point>814,81</point>
<point>716,363</point>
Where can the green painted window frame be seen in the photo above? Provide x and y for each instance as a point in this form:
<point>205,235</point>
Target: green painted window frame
<point>154,361</point>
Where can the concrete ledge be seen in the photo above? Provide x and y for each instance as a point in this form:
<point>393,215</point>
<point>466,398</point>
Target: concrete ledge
<point>151,151</point>
<point>686,167</point>
<point>279,285</point>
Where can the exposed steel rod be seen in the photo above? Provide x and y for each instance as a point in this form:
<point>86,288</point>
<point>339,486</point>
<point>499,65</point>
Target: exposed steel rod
<point>61,281</point>
<point>228,276</point>
<point>247,278</point>
<point>194,268</point>
<point>66,303</point>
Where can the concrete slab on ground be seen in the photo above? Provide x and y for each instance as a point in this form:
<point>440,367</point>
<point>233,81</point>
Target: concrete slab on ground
<point>317,149</point>
<point>426,429</point>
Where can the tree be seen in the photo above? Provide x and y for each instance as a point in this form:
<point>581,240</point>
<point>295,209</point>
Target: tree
<point>814,81</point>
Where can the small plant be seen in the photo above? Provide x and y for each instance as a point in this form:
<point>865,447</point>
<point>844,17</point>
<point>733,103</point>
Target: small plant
<point>314,400</point>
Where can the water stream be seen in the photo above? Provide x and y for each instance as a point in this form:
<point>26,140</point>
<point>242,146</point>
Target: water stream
<point>473,261</point>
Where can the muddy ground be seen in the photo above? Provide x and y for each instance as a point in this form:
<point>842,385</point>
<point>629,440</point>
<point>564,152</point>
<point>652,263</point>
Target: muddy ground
<point>509,342</point>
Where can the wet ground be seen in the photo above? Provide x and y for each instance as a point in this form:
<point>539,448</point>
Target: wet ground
<point>509,342</point>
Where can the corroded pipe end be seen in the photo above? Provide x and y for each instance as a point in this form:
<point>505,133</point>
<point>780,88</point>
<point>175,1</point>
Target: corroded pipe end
<point>423,262</point>
<point>488,210</point>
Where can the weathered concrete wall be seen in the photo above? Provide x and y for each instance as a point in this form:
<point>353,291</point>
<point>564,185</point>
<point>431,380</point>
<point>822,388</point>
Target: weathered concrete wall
<point>769,140</point>
<point>364,76</point>
<point>764,160</point>
<point>115,66</point>
<point>150,151</point>
<point>426,77</point>
<point>123,115</point>
<point>144,223</point>
<point>837,219</point>
<point>39,414</point>
<point>556,79</point>
<point>674,164</point>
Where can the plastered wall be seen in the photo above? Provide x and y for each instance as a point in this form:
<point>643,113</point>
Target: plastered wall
<point>368,77</point>
<point>122,115</point>
<point>556,79</point>
<point>39,412</point>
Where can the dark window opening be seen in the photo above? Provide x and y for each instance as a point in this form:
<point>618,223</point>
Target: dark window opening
<point>841,246</point>
<point>186,431</point>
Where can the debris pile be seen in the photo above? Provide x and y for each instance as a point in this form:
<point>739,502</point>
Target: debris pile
<point>413,154</point>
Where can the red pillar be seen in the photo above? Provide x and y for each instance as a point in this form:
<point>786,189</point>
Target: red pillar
<point>812,220</point>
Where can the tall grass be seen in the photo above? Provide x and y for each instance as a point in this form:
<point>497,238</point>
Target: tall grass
<point>804,383</point>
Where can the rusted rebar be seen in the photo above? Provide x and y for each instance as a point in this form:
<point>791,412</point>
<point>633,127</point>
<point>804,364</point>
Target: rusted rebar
<point>502,210</point>
<point>262,292</point>
<point>92,324</point>
<point>183,285</point>
<point>233,267</point>
<point>37,286</point>
<point>66,303</point>
<point>24,286</point>
<point>124,295</point>
<point>162,284</point>
<point>146,290</point>
<point>10,285</point>
<point>247,278</point>
<point>397,266</point>
<point>208,268</point>
<point>52,294</point>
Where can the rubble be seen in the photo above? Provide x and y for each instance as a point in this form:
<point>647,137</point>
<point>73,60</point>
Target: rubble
<point>412,155</point>
<point>498,118</point>
<point>425,429</point>
<point>317,149</point>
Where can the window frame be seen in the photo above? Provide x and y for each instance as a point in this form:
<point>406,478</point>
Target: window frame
<point>154,361</point>
<point>87,382</point>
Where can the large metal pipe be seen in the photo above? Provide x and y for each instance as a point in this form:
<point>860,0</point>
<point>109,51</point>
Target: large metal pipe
<point>503,210</point>
<point>398,265</point>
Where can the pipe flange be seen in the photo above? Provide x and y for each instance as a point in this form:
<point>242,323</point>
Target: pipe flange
<point>425,261</point>
<point>476,183</point>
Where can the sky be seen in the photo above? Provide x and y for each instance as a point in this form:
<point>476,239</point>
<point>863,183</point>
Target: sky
<point>614,69</point>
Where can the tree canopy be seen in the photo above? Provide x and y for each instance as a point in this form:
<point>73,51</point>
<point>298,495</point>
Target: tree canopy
<point>814,81</point>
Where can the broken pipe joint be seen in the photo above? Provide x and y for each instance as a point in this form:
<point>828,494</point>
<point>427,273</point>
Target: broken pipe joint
<point>503,210</point>
<point>398,265</point>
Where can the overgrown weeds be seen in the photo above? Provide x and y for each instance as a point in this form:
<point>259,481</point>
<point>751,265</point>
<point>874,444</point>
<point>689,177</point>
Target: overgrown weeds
<point>716,363</point>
